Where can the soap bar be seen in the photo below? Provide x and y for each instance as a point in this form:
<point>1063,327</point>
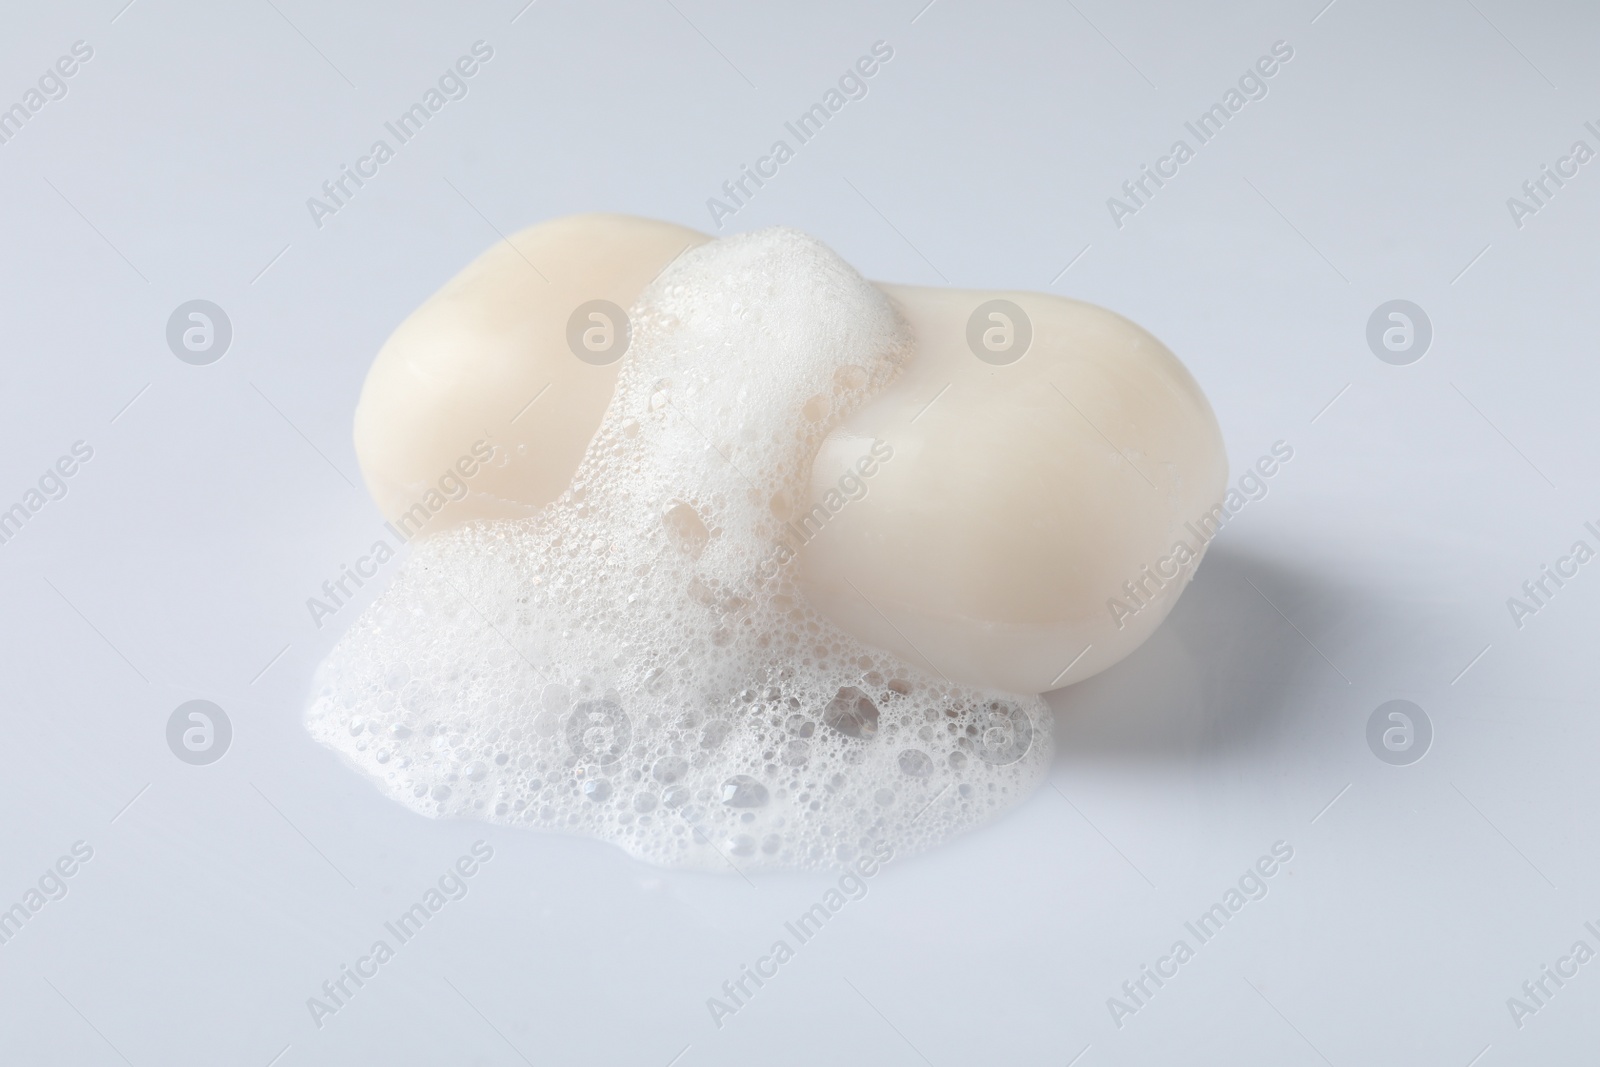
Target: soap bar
<point>1042,457</point>
<point>487,358</point>
<point>1027,493</point>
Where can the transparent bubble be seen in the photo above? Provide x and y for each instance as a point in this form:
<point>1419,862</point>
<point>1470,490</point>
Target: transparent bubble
<point>852,713</point>
<point>599,730</point>
<point>743,791</point>
<point>686,529</point>
<point>670,769</point>
<point>1004,734</point>
<point>916,763</point>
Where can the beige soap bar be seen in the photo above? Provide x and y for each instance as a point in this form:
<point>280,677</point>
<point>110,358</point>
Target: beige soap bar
<point>1009,498</point>
<point>486,358</point>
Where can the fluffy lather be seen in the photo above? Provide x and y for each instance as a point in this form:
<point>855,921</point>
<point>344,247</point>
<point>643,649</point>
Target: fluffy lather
<point>626,663</point>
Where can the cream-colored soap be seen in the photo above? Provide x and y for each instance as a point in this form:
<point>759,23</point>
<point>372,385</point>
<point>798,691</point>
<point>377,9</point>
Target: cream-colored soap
<point>486,359</point>
<point>1020,497</point>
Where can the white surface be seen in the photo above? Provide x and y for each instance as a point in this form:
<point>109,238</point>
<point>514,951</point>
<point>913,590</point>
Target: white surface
<point>1415,505</point>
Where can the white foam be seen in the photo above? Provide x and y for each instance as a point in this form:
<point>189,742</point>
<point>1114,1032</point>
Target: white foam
<point>626,665</point>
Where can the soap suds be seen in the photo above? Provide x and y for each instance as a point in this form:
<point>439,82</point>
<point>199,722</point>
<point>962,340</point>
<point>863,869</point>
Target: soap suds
<point>628,665</point>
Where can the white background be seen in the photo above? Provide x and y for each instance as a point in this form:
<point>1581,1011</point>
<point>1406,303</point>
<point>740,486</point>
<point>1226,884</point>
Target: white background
<point>1378,567</point>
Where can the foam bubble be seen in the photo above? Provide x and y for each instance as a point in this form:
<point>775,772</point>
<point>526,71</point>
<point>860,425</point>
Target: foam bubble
<point>635,662</point>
